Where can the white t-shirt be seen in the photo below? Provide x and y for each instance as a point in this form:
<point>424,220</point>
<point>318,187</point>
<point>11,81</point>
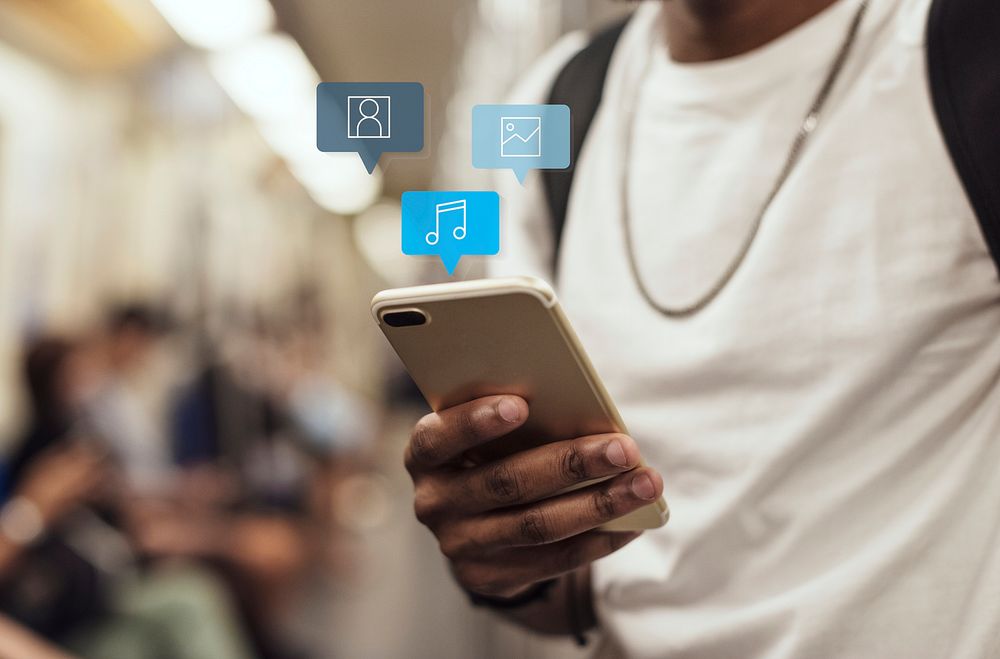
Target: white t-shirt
<point>829,427</point>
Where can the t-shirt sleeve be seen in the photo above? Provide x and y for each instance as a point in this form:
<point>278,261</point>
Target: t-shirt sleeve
<point>526,241</point>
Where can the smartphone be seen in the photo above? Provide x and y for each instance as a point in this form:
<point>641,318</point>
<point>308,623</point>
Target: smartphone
<point>465,340</point>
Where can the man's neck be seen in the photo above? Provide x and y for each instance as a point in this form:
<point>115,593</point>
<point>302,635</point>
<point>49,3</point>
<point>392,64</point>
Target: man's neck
<point>705,30</point>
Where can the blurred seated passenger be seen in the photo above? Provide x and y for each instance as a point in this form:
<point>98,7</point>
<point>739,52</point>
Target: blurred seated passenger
<point>248,476</point>
<point>119,410</point>
<point>66,571</point>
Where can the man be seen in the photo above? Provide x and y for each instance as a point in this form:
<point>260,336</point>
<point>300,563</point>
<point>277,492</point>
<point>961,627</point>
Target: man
<point>798,318</point>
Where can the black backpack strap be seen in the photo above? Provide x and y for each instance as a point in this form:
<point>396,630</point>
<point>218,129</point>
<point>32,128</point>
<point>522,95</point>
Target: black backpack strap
<point>580,85</point>
<point>963,65</point>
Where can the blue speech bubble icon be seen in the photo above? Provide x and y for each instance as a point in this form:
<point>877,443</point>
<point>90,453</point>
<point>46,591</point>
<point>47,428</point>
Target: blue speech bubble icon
<point>451,225</point>
<point>370,118</point>
<point>521,137</point>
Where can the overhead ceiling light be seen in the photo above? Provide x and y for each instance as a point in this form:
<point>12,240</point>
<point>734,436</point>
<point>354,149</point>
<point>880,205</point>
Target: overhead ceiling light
<point>217,24</point>
<point>344,200</point>
<point>269,77</point>
<point>338,182</point>
<point>293,136</point>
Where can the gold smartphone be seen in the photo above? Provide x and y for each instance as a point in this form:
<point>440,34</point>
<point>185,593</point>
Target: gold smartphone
<point>465,340</point>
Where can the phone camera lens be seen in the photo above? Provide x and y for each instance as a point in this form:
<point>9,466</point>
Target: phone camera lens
<point>411,318</point>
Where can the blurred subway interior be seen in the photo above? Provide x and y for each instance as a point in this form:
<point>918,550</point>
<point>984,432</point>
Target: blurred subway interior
<point>195,401</point>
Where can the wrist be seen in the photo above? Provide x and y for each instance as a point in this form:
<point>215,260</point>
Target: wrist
<point>559,606</point>
<point>534,593</point>
<point>21,521</point>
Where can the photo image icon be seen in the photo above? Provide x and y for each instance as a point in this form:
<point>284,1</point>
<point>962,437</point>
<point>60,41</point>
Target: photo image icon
<point>521,137</point>
<point>369,117</point>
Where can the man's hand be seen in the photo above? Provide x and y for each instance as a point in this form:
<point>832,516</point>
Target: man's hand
<point>499,523</point>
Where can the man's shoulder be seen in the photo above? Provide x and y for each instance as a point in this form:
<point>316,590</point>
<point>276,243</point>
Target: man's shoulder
<point>527,247</point>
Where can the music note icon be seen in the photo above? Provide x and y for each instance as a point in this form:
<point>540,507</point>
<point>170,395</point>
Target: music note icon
<point>431,225</point>
<point>459,231</point>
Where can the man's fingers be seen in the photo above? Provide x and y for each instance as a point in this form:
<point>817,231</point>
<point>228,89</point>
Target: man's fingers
<point>441,437</point>
<point>554,519</point>
<point>525,566</point>
<point>542,472</point>
<point>561,557</point>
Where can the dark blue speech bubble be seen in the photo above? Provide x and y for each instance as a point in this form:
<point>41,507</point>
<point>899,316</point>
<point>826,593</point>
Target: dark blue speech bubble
<point>370,118</point>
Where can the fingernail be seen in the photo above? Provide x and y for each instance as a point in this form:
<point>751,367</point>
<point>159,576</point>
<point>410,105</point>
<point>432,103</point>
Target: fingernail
<point>642,487</point>
<point>509,411</point>
<point>616,454</point>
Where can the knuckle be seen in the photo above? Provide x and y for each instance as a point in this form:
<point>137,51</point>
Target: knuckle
<point>450,547</point>
<point>503,483</point>
<point>465,574</point>
<point>496,587</point>
<point>456,546</point>
<point>480,579</point>
<point>423,444</point>
<point>534,528</point>
<point>491,585</point>
<point>573,465</point>
<point>604,503</point>
<point>426,505</point>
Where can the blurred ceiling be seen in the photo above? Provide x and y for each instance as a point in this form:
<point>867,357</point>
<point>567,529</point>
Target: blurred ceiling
<point>346,40</point>
<point>386,40</point>
<point>90,36</point>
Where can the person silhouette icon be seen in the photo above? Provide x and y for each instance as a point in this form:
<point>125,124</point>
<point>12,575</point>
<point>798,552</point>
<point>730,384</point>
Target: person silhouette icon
<point>371,119</point>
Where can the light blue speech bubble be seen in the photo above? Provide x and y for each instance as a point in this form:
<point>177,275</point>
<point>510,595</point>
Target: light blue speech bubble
<point>451,225</point>
<point>521,137</point>
<point>370,118</point>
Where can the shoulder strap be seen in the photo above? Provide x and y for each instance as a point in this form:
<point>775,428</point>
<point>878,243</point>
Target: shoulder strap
<point>580,85</point>
<point>963,65</point>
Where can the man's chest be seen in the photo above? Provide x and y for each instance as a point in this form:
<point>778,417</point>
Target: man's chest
<point>869,253</point>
